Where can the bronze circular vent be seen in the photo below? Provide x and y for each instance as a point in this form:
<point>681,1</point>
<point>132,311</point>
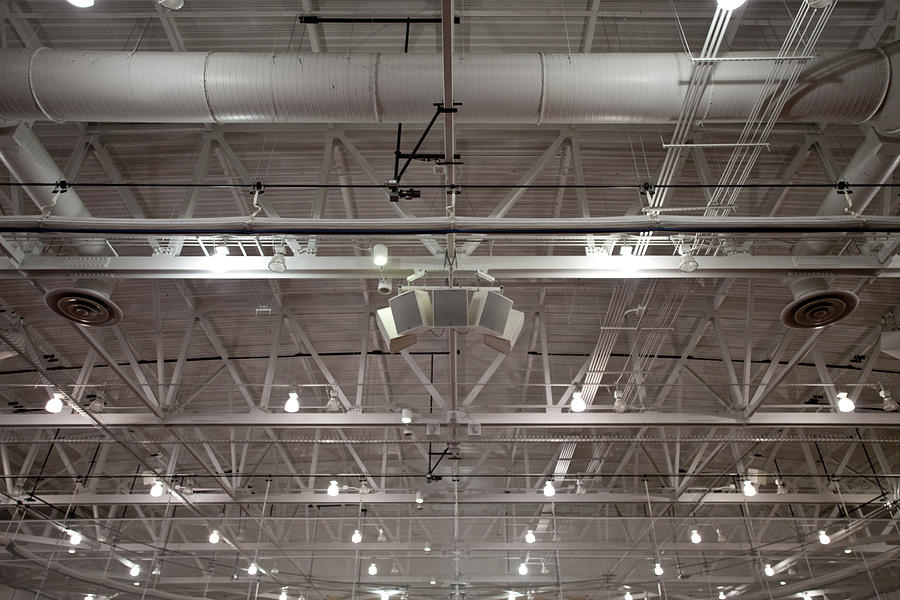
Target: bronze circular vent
<point>819,309</point>
<point>83,306</point>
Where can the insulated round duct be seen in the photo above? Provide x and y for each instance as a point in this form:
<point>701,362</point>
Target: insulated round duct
<point>815,305</point>
<point>85,303</point>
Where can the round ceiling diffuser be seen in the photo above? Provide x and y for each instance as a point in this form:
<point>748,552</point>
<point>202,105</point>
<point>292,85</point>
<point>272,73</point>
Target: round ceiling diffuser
<point>819,308</point>
<point>83,305</point>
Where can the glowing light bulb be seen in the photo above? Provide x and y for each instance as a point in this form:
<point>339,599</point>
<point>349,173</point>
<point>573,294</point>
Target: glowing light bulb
<point>406,416</point>
<point>373,569</point>
<point>82,4</point>
<point>214,537</point>
<point>730,4</point>
<point>356,537</point>
<point>549,490</point>
<point>577,404</point>
<point>380,255</point>
<point>156,490</point>
<point>135,570</point>
<point>419,498</point>
<point>292,404</point>
<point>722,595</point>
<point>427,547</point>
<point>252,569</point>
<point>283,594</point>
<point>89,597</point>
<point>628,596</point>
<point>770,572</point>
<point>749,488</point>
<point>523,569</point>
<point>332,488</point>
<point>384,595</point>
<point>74,538</point>
<point>658,570</point>
<point>529,537</point>
<point>511,596</point>
<point>845,404</point>
<point>695,537</point>
<point>218,262</point>
<point>823,538</point>
<point>54,404</point>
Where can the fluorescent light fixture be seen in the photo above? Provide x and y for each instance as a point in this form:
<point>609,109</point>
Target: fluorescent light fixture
<point>577,404</point>
<point>549,490</point>
<point>214,537</point>
<point>156,490</point>
<point>749,488</point>
<point>380,255</point>
<point>529,536</point>
<point>406,416</point>
<point>731,4</point>
<point>769,571</point>
<point>252,569</point>
<point>54,404</point>
<point>695,537</point>
<point>292,404</point>
<point>658,570</point>
<point>373,569</point>
<point>74,538</point>
<point>419,498</point>
<point>135,570</point>
<point>823,538</point>
<point>523,569</point>
<point>332,488</point>
<point>82,4</point>
<point>845,404</point>
<point>356,537</point>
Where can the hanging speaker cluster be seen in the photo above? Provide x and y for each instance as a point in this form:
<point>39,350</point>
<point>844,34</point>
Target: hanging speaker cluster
<point>416,310</point>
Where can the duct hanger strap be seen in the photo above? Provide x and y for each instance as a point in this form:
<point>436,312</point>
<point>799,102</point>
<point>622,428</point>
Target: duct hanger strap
<point>843,188</point>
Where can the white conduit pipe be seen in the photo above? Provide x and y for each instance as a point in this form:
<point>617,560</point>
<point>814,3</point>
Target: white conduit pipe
<point>221,87</point>
<point>111,584</point>
<point>238,226</point>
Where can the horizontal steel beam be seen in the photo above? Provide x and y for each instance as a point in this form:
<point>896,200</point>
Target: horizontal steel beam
<point>544,420</point>
<point>530,497</point>
<point>501,267</point>
<point>241,225</point>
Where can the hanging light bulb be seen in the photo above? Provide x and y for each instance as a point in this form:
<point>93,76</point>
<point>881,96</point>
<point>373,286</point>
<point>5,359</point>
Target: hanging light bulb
<point>823,538</point>
<point>218,262</point>
<point>529,536</point>
<point>74,538</point>
<point>54,404</point>
<point>373,569</point>
<point>769,571</point>
<point>549,490</point>
<point>406,416</point>
<point>628,596</point>
<point>511,596</point>
<point>252,569</point>
<point>214,537</point>
<point>356,537</point>
<point>419,498</point>
<point>695,537</point>
<point>749,488</point>
<point>523,569</point>
<point>381,537</point>
<point>658,570</point>
<point>380,255</point>
<point>619,402</point>
<point>332,488</point>
<point>427,547</point>
<point>845,404</point>
<point>283,594</point>
<point>292,404</point>
<point>579,487</point>
<point>156,490</point>
<point>722,595</point>
<point>135,570</point>
<point>577,404</point>
<point>432,581</point>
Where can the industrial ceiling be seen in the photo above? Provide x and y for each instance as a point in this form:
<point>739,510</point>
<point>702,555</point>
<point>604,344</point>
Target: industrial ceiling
<point>360,300</point>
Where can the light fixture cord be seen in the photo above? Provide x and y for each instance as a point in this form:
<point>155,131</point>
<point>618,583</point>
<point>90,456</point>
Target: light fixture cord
<point>851,533</point>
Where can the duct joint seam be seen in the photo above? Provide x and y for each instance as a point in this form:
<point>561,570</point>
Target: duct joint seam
<point>375,62</point>
<point>542,102</point>
<point>31,85</point>
<point>887,86</point>
<point>209,108</point>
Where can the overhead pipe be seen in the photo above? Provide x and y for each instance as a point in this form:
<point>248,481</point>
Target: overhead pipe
<point>535,88</point>
<point>87,301</point>
<point>815,303</point>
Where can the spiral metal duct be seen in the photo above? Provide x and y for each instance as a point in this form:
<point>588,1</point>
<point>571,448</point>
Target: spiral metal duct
<point>223,87</point>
